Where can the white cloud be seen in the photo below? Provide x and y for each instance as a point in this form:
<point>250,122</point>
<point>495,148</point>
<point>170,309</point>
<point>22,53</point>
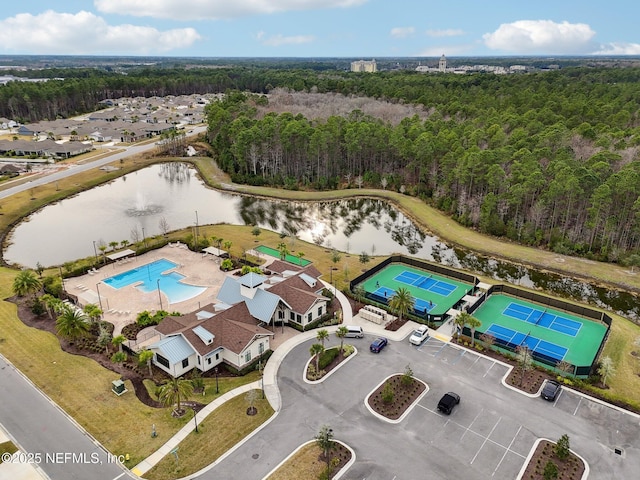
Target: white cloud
<point>541,37</point>
<point>85,33</point>
<point>214,9</point>
<point>449,32</point>
<point>279,39</point>
<point>619,48</point>
<point>402,32</point>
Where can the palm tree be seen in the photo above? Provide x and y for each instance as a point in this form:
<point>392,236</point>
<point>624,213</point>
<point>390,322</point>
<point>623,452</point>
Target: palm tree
<point>300,255</point>
<point>26,282</point>
<point>72,323</point>
<point>473,323</point>
<point>93,311</point>
<point>461,320</point>
<point>284,251</point>
<point>146,356</point>
<point>104,338</point>
<point>53,304</point>
<point>322,335</point>
<point>113,244</point>
<point>118,340</point>
<point>402,302</point>
<point>174,391</point>
<point>341,332</point>
<point>124,243</point>
<point>316,350</point>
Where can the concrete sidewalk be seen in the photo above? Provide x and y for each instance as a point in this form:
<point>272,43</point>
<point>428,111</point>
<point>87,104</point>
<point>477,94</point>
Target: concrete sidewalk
<point>270,372</point>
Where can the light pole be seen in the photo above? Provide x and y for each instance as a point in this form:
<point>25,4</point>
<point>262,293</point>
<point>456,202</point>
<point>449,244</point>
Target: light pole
<point>99,297</point>
<point>195,247</point>
<point>261,377</point>
<point>216,372</point>
<point>95,251</point>
<point>144,240</point>
<point>194,418</point>
<point>159,295</point>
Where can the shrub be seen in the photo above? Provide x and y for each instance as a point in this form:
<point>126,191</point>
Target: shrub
<point>550,471</point>
<point>388,394</point>
<point>327,357</point>
<point>562,447</point>
<point>348,350</point>
<point>119,357</point>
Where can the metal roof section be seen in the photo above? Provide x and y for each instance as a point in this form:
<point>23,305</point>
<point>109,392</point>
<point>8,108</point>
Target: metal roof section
<point>252,280</point>
<point>309,280</point>
<point>203,314</point>
<point>174,348</point>
<point>263,305</point>
<point>229,292</point>
<point>205,335</point>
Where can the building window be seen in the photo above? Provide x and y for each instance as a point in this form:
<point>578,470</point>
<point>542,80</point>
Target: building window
<point>247,356</point>
<point>260,348</point>
<point>299,318</point>
<point>198,360</point>
<point>209,361</point>
<point>162,361</point>
<point>280,314</point>
<point>309,317</point>
<point>292,316</point>
<point>217,356</point>
<point>185,363</point>
<point>320,311</point>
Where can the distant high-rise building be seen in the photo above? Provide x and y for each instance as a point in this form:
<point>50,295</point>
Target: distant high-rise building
<point>442,64</point>
<point>364,66</point>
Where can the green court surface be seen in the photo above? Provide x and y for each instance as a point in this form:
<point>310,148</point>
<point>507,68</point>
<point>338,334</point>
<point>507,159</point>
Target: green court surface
<point>581,344</point>
<point>272,252</point>
<point>432,293</point>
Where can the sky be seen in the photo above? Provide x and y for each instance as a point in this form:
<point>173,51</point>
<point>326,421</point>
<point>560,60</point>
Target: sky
<point>319,28</point>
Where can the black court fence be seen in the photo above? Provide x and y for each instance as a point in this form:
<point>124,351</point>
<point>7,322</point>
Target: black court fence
<point>557,304</point>
<point>421,264</point>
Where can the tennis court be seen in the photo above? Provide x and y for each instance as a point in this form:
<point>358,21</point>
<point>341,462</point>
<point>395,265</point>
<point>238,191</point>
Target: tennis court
<point>516,339</point>
<point>552,334</point>
<point>432,294</point>
<point>542,318</point>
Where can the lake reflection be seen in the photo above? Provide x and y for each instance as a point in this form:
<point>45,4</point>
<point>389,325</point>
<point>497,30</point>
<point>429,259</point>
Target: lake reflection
<point>135,205</point>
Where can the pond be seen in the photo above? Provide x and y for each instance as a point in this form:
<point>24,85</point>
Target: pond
<point>171,196</point>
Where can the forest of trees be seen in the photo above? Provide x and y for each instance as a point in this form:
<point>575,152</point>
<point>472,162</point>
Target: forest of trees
<point>547,159</point>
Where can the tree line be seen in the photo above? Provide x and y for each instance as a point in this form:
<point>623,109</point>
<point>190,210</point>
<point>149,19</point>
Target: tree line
<point>547,159</point>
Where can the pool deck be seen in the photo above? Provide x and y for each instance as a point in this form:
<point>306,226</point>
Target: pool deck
<point>121,306</point>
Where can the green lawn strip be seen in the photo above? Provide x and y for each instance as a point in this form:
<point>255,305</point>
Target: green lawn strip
<point>304,463</point>
<point>221,430</point>
<point>83,388</point>
<point>7,447</point>
<point>225,384</point>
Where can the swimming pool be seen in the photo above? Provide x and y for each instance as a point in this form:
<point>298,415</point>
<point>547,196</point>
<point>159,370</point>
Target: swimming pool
<point>152,276</point>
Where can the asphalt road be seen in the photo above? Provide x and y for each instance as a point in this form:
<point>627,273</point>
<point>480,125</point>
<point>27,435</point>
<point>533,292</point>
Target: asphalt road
<point>47,437</point>
<point>488,435</point>
<point>78,168</point>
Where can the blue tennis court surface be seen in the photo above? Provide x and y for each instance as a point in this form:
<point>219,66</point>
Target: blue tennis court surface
<point>419,305</point>
<point>425,283</point>
<point>517,339</point>
<point>543,319</point>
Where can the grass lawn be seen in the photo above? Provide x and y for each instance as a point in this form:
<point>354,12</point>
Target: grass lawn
<point>220,431</point>
<point>304,463</point>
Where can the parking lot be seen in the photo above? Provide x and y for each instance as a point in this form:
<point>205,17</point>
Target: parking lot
<point>488,435</point>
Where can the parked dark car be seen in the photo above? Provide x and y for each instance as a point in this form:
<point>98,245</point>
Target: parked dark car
<point>550,390</point>
<point>378,344</point>
<point>447,402</point>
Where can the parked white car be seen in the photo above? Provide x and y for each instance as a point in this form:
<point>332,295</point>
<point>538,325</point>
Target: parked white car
<point>419,335</point>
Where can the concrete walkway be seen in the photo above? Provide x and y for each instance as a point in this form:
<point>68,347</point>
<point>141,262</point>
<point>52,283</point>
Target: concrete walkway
<point>271,390</point>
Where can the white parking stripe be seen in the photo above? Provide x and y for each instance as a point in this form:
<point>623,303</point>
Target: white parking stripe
<point>508,449</point>
<point>485,441</point>
<point>577,406</point>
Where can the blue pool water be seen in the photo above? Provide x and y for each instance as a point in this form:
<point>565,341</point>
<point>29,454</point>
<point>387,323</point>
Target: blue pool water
<point>152,275</point>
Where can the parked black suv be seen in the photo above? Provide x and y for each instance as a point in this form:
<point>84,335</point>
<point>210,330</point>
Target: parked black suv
<point>447,402</point>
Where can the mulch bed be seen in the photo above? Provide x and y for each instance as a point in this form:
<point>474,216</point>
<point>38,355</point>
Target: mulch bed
<point>395,324</point>
<point>339,452</point>
<point>571,468</point>
<point>403,397</point>
<point>334,363</point>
